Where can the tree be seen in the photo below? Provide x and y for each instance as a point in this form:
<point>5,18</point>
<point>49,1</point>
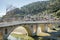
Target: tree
<point>58,14</point>
<point>55,7</point>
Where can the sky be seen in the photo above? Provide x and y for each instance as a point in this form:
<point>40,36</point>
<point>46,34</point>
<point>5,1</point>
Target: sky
<point>16,3</point>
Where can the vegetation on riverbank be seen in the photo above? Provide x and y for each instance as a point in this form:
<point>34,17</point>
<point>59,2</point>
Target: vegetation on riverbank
<point>25,37</point>
<point>22,37</point>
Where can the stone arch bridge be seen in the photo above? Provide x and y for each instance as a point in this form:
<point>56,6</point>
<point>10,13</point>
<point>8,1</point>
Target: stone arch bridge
<point>31,26</point>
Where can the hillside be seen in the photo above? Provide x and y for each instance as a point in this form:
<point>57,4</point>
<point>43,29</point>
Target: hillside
<point>32,8</point>
<point>43,8</point>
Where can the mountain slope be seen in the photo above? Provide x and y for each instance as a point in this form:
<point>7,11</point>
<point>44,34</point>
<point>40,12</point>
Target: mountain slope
<point>32,8</point>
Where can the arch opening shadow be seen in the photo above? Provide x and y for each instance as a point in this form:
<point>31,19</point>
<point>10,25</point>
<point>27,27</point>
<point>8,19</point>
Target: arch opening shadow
<point>21,30</point>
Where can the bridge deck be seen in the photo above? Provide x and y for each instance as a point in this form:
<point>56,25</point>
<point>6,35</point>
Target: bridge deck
<point>4,24</point>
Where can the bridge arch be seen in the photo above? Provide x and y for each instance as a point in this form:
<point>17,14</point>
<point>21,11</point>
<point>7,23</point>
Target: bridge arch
<point>11,29</point>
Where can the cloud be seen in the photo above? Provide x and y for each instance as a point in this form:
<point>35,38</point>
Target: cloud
<point>2,14</point>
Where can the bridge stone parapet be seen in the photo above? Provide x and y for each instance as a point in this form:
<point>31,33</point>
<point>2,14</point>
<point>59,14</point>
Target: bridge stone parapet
<point>4,24</point>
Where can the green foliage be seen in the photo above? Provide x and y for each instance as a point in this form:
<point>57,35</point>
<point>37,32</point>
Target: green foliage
<point>22,37</point>
<point>32,9</point>
<point>35,7</point>
<point>58,13</point>
<point>45,7</point>
<point>55,6</point>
